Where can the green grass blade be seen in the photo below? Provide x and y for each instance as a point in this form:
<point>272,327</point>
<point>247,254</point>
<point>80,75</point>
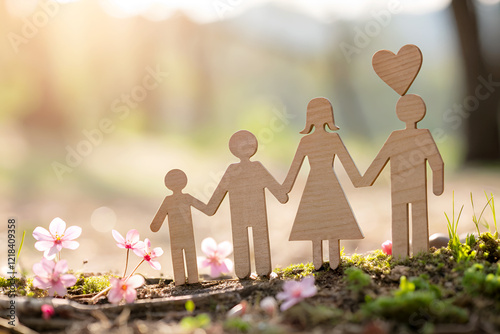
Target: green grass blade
<point>20,246</point>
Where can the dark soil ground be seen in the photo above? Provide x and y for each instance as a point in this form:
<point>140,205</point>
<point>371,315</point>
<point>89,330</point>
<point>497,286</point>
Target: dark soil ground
<point>372,293</point>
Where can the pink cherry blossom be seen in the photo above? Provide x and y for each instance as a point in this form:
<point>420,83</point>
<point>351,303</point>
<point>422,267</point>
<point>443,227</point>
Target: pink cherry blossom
<point>51,276</point>
<point>149,254</point>
<point>216,257</point>
<point>47,311</point>
<point>124,289</point>
<point>295,291</point>
<point>58,237</point>
<point>387,247</point>
<point>131,240</point>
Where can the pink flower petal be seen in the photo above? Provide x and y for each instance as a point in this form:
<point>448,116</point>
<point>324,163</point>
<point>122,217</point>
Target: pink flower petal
<point>209,246</point>
<point>387,247</point>
<point>204,262</point>
<point>289,286</point>
<point>135,281</point>
<point>67,280</point>
<point>215,271</point>
<point>59,288</point>
<point>155,264</point>
<point>140,252</point>
<point>157,251</point>
<point>59,247</point>
<point>118,237</point>
<point>132,236</point>
<point>223,268</point>
<point>47,311</point>
<point>70,244</point>
<point>147,245</point>
<point>39,282</point>
<point>42,234</point>
<point>39,270</point>
<point>130,295</point>
<point>229,265</point>
<point>61,267</point>
<point>57,227</point>
<point>43,245</point>
<point>115,295</point>
<point>50,253</point>
<point>138,245</point>
<point>72,232</point>
<point>309,292</point>
<point>224,249</point>
<point>48,265</point>
<point>289,303</point>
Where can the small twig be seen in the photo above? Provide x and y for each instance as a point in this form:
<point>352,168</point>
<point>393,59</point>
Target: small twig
<point>100,294</point>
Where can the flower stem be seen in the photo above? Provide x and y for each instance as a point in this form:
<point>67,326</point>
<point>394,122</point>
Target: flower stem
<point>133,271</point>
<point>126,263</point>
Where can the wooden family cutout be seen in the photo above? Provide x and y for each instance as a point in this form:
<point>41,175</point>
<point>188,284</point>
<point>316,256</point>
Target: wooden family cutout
<point>324,212</point>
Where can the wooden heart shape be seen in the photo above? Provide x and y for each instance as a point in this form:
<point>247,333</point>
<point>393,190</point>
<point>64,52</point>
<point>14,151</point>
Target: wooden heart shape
<point>398,71</point>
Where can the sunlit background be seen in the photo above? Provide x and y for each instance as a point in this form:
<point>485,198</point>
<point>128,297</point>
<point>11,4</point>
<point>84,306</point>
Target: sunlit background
<point>99,99</point>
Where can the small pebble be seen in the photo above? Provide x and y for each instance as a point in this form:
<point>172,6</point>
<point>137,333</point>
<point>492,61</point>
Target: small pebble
<point>438,240</point>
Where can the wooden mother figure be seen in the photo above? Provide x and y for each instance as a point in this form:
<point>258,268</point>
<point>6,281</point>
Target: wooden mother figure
<point>324,212</point>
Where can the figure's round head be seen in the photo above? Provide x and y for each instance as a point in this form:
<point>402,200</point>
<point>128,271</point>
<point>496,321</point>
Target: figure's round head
<point>243,144</point>
<point>410,109</point>
<point>175,180</point>
<point>319,113</point>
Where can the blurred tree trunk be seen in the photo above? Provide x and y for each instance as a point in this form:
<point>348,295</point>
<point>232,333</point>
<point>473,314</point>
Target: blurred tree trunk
<point>481,123</point>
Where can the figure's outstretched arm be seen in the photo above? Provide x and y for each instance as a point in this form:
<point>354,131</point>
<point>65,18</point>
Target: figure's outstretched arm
<point>377,166</point>
<point>437,165</point>
<point>298,159</point>
<point>348,163</point>
<point>160,217</point>
<point>274,187</point>
<point>196,203</point>
<point>218,195</point>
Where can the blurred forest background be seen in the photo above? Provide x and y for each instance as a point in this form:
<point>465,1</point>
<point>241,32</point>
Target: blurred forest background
<point>100,98</point>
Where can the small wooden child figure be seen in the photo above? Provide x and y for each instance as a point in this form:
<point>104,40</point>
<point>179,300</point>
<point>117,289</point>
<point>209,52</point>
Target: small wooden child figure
<point>178,208</point>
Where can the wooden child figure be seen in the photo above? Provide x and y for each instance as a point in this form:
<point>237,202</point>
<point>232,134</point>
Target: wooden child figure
<point>178,209</point>
<point>245,182</point>
<point>408,150</point>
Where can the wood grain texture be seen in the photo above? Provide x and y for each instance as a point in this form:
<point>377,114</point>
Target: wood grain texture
<point>177,207</point>
<point>245,183</point>
<point>324,212</point>
<point>408,151</point>
<point>398,71</point>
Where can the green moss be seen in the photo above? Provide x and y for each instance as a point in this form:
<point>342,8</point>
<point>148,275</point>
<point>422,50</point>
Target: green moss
<point>375,263</point>
<point>309,316</point>
<point>482,280</point>
<point>91,284</point>
<point>295,271</point>
<point>356,279</point>
<point>237,325</point>
<point>191,323</point>
<point>416,303</point>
